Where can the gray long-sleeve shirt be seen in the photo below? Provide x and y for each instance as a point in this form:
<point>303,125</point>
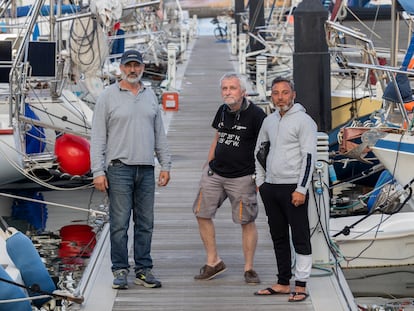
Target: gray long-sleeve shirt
<point>128,127</point>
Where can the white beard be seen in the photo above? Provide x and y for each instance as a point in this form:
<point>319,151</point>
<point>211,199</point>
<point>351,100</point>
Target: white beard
<point>132,80</point>
<point>285,108</point>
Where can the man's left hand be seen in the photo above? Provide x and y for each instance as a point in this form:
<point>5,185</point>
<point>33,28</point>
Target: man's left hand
<point>164,178</point>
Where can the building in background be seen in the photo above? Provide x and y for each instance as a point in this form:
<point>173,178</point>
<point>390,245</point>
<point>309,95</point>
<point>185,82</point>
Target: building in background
<point>207,8</point>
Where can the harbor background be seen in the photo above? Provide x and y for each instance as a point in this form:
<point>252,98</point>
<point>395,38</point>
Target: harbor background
<point>363,282</point>
<point>370,286</point>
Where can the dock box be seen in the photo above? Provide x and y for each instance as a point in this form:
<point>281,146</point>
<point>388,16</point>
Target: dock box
<point>170,101</point>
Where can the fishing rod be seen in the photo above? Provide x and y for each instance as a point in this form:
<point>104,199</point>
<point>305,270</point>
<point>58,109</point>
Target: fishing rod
<point>35,288</point>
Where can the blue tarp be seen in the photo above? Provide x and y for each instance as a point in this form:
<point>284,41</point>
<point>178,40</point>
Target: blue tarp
<point>35,137</point>
<point>45,10</point>
<point>404,86</point>
<point>407,5</point>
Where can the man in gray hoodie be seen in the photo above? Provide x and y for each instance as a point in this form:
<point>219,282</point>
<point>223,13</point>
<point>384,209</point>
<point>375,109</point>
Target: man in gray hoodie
<point>284,186</point>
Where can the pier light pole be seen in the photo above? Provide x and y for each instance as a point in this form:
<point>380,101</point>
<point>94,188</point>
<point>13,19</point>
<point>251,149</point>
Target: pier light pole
<point>311,62</point>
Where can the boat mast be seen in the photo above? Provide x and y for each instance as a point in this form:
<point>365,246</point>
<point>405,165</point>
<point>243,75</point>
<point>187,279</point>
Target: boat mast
<point>51,20</point>
<point>394,31</point>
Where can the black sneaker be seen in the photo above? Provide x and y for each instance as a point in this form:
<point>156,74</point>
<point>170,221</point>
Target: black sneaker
<point>145,278</point>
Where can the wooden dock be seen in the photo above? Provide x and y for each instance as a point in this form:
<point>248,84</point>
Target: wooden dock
<point>177,250</point>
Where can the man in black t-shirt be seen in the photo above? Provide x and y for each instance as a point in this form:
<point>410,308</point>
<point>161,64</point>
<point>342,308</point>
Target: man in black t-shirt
<point>230,174</point>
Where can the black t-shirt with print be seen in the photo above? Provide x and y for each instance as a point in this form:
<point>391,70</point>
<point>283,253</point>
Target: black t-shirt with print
<point>238,131</point>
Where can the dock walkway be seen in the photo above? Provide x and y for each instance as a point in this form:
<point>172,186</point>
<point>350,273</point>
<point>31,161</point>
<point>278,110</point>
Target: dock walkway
<point>177,250</point>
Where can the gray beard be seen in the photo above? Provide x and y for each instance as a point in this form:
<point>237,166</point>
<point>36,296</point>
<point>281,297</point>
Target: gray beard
<point>285,108</point>
<point>131,80</point>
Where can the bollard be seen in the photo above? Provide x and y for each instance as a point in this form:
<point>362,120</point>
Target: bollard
<point>172,65</point>
<point>261,76</point>
<point>183,42</point>
<point>233,29</point>
<point>195,20</point>
<point>191,31</point>
<point>242,53</point>
<point>193,28</point>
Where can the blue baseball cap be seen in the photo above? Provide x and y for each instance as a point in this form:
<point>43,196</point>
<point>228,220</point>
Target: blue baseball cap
<point>131,56</point>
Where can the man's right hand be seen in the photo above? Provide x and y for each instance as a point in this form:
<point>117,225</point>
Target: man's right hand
<point>101,183</point>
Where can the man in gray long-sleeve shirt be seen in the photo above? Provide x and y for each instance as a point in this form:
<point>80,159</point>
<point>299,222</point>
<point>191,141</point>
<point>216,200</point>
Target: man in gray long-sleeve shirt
<point>126,131</point>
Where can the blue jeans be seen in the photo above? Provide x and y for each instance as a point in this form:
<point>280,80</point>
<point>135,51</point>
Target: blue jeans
<point>131,188</point>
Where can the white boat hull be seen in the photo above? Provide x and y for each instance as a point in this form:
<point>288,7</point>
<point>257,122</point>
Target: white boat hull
<point>380,240</point>
<point>9,157</point>
<point>66,114</point>
<point>396,152</point>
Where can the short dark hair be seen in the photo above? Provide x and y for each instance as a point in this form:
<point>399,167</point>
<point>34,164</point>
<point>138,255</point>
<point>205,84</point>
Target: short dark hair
<point>282,79</point>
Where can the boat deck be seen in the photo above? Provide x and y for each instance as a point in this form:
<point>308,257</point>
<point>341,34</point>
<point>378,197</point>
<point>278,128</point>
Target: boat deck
<point>177,250</point>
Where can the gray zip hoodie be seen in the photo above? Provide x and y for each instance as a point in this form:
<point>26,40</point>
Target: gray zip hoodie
<point>293,144</point>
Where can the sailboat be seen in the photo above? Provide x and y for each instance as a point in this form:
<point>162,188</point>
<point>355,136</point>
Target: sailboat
<point>49,84</point>
<point>35,108</point>
<point>382,237</point>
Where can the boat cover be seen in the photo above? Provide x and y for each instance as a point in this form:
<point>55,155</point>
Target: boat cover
<point>32,269</point>
<point>407,5</point>
<point>390,92</point>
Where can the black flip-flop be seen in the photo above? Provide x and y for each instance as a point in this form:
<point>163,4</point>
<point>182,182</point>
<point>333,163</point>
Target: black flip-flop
<point>294,294</point>
<point>270,290</point>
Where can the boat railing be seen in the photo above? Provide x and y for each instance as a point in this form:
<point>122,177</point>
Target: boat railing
<point>273,41</point>
<point>391,72</point>
<point>337,39</point>
<point>17,77</point>
<point>282,18</point>
<point>44,160</point>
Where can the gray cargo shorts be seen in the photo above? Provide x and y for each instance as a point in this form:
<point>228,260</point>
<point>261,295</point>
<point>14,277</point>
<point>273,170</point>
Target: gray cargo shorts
<point>214,189</point>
